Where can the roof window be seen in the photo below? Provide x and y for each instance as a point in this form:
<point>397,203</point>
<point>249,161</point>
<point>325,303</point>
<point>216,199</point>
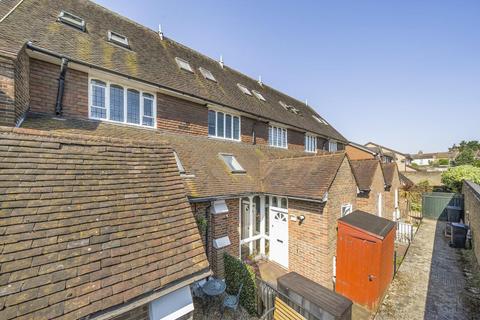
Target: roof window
<point>180,166</point>
<point>259,95</point>
<point>290,108</point>
<point>232,163</point>
<point>72,20</point>
<point>244,89</point>
<point>320,120</point>
<point>207,74</point>
<point>183,64</point>
<point>117,38</point>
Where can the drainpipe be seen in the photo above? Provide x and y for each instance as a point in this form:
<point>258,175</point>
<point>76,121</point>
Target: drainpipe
<point>207,211</point>
<point>61,87</point>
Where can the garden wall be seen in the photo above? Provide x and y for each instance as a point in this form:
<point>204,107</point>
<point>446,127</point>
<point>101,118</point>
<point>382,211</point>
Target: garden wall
<point>471,193</point>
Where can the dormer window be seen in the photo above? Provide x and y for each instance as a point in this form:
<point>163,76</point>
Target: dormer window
<point>183,64</point>
<point>244,89</point>
<point>72,20</point>
<point>118,39</point>
<point>258,95</point>
<point>232,163</point>
<point>207,74</point>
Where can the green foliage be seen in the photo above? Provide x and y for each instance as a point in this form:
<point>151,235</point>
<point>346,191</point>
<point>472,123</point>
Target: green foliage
<point>474,145</point>
<point>465,157</point>
<point>453,177</point>
<point>414,195</point>
<point>202,224</point>
<point>443,162</point>
<point>237,272</point>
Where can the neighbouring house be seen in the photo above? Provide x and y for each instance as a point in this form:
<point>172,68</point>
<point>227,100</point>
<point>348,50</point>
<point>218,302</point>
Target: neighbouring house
<point>265,175</point>
<point>395,206</point>
<point>388,155</point>
<point>372,187</point>
<point>94,227</point>
<point>435,161</point>
<point>356,151</point>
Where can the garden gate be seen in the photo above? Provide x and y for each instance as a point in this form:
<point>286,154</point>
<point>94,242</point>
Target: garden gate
<point>434,204</point>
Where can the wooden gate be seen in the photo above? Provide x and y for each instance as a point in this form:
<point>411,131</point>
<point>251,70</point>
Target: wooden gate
<point>434,204</point>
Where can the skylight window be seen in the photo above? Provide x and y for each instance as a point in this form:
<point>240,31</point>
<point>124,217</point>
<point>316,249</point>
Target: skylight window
<point>183,64</point>
<point>244,89</point>
<point>181,169</point>
<point>117,38</point>
<point>283,104</point>
<point>72,20</point>
<point>289,107</point>
<point>259,95</point>
<point>232,163</point>
<point>207,74</point>
<point>320,120</point>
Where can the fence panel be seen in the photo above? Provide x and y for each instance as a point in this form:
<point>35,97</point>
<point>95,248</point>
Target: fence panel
<point>404,232</point>
<point>434,204</point>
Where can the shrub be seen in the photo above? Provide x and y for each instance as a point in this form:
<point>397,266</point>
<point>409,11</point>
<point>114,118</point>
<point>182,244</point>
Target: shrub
<point>237,272</point>
<point>453,177</point>
<point>443,162</point>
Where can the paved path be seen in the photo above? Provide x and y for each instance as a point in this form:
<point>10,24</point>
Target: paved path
<point>430,282</point>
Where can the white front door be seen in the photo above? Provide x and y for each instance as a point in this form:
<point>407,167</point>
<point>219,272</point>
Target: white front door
<point>279,236</point>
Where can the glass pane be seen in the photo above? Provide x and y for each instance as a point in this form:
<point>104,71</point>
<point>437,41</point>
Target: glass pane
<point>267,215</point>
<point>116,103</point>
<point>236,128</point>
<point>270,135</point>
<point>147,107</point>
<point>284,203</point>
<point>284,136</point>
<point>211,123</point>
<point>274,202</point>
<point>220,124</point>
<point>256,217</point>
<point>147,121</point>
<point>245,219</point>
<point>133,106</point>
<point>228,126</point>
<point>256,248</point>
<point>98,100</point>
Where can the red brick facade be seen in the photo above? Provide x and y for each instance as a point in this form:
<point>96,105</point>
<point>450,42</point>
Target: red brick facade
<point>369,202</point>
<point>7,92</point>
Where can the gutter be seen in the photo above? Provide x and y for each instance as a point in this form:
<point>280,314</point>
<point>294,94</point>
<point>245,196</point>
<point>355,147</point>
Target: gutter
<point>234,196</point>
<point>163,89</point>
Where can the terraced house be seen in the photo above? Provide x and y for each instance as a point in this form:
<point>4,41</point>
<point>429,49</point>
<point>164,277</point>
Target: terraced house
<point>265,176</point>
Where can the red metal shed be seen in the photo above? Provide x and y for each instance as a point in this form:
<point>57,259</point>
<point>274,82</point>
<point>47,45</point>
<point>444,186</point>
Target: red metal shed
<point>364,265</point>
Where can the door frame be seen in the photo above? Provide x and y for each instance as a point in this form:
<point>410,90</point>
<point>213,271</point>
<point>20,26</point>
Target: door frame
<point>273,211</point>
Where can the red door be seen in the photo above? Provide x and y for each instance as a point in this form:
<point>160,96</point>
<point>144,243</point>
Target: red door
<point>356,276</point>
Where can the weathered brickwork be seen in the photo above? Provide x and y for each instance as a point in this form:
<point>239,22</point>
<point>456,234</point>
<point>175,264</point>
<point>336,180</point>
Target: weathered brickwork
<point>369,202</point>
<point>220,225</point>
<point>471,193</point>
<point>343,191</point>
<point>7,92</point>
<point>140,313</point>
<point>22,88</point>
<point>44,86</point>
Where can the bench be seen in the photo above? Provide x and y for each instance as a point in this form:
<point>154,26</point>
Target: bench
<point>282,311</point>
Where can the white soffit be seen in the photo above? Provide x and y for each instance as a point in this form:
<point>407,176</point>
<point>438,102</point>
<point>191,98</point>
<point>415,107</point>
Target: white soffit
<point>172,306</point>
<point>219,206</point>
<point>221,242</point>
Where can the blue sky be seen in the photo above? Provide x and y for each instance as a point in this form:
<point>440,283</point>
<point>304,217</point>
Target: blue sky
<point>405,74</point>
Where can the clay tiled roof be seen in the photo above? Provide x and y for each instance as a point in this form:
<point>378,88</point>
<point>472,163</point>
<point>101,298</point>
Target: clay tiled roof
<point>149,59</point>
<point>364,171</point>
<point>306,177</point>
<point>389,172</point>
<point>207,175</point>
<point>89,223</point>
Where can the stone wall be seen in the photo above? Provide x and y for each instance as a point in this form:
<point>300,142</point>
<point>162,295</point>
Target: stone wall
<point>434,178</point>
<point>471,193</point>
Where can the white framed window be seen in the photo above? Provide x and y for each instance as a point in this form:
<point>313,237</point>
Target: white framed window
<point>223,125</point>
<point>72,20</point>
<point>207,74</point>
<point>117,38</point>
<point>320,120</point>
<point>332,146</point>
<point>283,104</point>
<point>117,103</point>
<point>244,89</point>
<point>232,163</point>
<point>183,64</point>
<point>259,95</point>
<point>346,209</point>
<point>310,143</point>
<point>277,137</point>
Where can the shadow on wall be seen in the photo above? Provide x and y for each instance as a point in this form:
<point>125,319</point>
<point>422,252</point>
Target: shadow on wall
<point>453,292</point>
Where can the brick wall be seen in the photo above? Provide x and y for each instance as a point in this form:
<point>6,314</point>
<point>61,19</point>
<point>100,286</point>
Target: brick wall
<point>22,88</point>
<point>368,203</point>
<point>7,92</point>
<point>140,313</point>
<point>44,85</point>
<point>390,198</point>
<point>471,193</point>
<point>221,225</point>
<point>342,191</point>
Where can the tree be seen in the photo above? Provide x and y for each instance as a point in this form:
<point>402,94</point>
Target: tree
<point>453,177</point>
<point>466,156</point>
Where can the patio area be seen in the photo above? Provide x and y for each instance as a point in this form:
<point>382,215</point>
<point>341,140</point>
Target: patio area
<point>212,311</point>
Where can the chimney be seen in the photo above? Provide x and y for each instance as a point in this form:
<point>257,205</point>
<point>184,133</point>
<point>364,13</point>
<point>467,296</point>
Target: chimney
<point>221,61</point>
<point>160,32</point>
<point>260,81</point>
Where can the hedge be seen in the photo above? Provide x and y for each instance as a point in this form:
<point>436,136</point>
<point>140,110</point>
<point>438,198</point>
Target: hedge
<point>237,272</point>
